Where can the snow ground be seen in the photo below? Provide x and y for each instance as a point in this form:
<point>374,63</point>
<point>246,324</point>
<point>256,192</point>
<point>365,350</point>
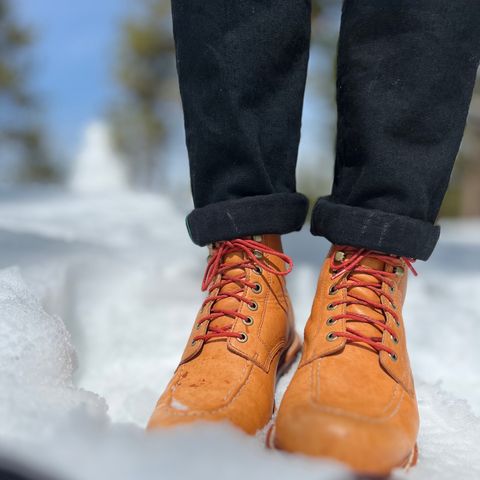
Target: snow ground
<point>93,322</point>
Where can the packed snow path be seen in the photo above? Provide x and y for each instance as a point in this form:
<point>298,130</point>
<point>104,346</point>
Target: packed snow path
<point>116,280</point>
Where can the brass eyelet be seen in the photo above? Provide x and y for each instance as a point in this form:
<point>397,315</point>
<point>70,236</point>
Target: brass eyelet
<point>258,270</point>
<point>258,253</point>
<point>243,338</point>
<point>331,321</point>
<point>393,356</point>
<point>253,306</point>
<point>331,337</point>
<point>332,290</point>
<point>394,339</point>
<point>330,306</point>
<point>248,321</point>
<point>257,288</point>
<point>399,271</point>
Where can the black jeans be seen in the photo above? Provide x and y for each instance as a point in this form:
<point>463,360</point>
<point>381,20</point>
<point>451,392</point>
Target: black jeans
<point>406,70</point>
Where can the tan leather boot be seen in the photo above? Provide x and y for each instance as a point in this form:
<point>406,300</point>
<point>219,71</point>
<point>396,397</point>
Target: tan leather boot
<point>242,339</point>
<point>352,398</point>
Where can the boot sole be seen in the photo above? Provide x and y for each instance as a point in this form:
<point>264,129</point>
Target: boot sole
<point>408,463</point>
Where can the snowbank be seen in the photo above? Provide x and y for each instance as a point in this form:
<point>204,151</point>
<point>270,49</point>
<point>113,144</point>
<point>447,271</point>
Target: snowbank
<point>102,274</point>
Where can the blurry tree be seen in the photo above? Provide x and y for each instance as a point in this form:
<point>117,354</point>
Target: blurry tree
<point>325,27</point>
<point>313,179</point>
<point>146,73</point>
<point>21,137</point>
<point>147,77</point>
<point>463,197</point>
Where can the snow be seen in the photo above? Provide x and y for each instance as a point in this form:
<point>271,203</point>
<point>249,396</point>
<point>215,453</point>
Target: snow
<point>97,295</point>
<point>98,155</point>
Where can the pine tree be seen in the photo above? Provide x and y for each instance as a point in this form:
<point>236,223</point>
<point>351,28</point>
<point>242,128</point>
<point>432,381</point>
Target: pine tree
<point>146,73</point>
<point>21,138</point>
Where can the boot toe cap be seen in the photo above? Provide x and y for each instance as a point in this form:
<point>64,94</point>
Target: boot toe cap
<point>165,417</point>
<point>367,445</point>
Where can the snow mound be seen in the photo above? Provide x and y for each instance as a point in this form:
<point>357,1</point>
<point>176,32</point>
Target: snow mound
<point>52,426</point>
<point>98,167</point>
<point>36,363</point>
<point>449,437</point>
<point>34,346</point>
<point>105,271</point>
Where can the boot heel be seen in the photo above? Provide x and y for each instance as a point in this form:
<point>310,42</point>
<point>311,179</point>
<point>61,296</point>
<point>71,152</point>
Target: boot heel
<point>289,356</point>
<point>412,459</point>
<point>269,438</point>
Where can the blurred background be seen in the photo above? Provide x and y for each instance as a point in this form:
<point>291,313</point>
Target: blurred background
<point>94,188</point>
<point>89,97</point>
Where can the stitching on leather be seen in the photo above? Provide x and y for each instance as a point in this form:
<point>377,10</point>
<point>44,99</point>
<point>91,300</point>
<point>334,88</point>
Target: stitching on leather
<point>265,303</point>
<point>318,383</point>
<point>181,376</point>
<point>317,316</point>
<point>372,420</point>
<point>173,412</point>
<point>345,413</point>
<point>282,341</point>
<point>404,377</point>
<point>268,352</point>
<point>192,351</point>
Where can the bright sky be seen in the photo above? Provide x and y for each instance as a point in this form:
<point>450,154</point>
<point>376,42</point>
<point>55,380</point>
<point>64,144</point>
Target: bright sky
<point>74,60</point>
<point>74,72</point>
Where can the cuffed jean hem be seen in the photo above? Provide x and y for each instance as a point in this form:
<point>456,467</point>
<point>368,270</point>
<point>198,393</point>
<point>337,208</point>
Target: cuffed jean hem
<point>278,213</point>
<point>374,229</point>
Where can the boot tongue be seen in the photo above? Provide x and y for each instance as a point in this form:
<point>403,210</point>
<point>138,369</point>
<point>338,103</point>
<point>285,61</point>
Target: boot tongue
<point>229,303</point>
<point>366,294</point>
<point>234,258</point>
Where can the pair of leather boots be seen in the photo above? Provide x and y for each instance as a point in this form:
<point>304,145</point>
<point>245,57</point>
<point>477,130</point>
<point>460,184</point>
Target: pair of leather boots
<point>352,398</point>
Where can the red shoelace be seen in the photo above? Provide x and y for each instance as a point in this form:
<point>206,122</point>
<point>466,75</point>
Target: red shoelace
<point>350,264</point>
<point>217,267</point>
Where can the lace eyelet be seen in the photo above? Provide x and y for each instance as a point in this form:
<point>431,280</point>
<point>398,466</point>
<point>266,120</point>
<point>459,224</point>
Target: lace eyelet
<point>198,326</point>
<point>339,256</point>
<point>248,321</point>
<point>392,289</point>
<point>258,270</point>
<point>399,271</point>
<point>257,288</point>
<point>331,321</point>
<point>397,323</point>
<point>332,290</point>
<point>331,337</point>
<point>253,306</point>
<point>330,306</point>
<point>193,342</point>
<point>243,338</point>
<point>258,253</point>
<point>393,356</point>
<point>394,340</point>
